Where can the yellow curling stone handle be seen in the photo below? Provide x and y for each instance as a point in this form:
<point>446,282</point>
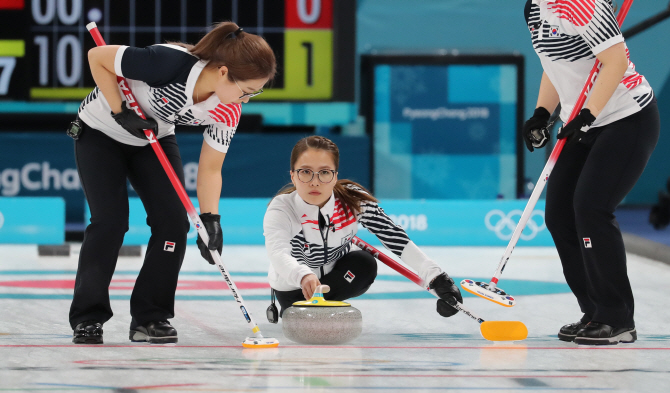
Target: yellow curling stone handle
<point>317,299</point>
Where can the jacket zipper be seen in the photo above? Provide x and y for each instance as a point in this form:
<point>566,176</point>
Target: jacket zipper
<point>325,243</point>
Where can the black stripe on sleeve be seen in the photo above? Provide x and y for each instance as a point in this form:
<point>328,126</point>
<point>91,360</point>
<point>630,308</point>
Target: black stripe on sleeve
<point>375,220</point>
<point>220,133</point>
<point>602,26</point>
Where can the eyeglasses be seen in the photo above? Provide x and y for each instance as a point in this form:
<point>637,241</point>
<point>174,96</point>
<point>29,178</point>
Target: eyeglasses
<point>324,175</point>
<point>254,94</point>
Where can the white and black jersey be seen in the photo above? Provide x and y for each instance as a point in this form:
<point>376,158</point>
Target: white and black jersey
<point>297,245</point>
<point>567,35</point>
<point>162,78</point>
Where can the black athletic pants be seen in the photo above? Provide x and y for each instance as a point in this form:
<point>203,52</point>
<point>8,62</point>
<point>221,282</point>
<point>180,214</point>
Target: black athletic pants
<point>587,184</point>
<point>362,266</point>
<point>104,165</point>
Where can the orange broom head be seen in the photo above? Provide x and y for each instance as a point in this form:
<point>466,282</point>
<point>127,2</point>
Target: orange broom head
<point>504,330</point>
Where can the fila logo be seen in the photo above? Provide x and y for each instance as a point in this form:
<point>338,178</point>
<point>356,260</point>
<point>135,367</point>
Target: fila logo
<point>163,101</point>
<point>169,246</point>
<point>349,276</point>
<point>587,242</point>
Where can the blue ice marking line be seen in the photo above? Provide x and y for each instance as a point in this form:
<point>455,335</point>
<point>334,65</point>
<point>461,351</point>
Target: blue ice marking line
<point>515,287</point>
<point>77,386</point>
<point>396,295</point>
<point>527,287</point>
<point>34,296</point>
<point>391,277</point>
<point>32,336</point>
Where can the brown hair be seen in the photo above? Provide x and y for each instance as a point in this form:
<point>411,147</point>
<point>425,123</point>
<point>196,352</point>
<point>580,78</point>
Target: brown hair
<point>350,193</point>
<point>247,56</point>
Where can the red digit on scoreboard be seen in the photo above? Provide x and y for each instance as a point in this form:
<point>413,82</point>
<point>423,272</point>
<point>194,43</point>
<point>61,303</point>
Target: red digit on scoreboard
<point>309,14</point>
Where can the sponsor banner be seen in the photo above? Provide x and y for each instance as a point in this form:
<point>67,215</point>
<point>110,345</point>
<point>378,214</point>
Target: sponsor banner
<point>427,222</point>
<point>445,131</point>
<point>241,222</point>
<point>26,220</point>
<point>40,164</point>
<point>37,164</point>
<point>465,223</point>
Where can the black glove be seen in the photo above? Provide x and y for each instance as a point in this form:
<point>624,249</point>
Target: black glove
<point>212,223</point>
<point>535,132</point>
<point>133,123</point>
<point>449,294</point>
<point>583,119</point>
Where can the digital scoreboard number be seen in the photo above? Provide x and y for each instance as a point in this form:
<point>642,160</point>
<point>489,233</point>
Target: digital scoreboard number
<point>43,43</point>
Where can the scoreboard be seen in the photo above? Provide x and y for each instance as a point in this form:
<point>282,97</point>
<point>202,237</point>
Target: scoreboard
<point>43,43</point>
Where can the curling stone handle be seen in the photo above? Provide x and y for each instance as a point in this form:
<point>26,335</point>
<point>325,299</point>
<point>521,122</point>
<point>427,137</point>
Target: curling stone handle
<point>322,289</point>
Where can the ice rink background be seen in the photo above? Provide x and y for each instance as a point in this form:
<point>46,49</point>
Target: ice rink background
<point>405,346</point>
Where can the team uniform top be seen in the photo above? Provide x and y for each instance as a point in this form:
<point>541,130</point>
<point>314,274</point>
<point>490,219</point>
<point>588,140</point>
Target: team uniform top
<point>162,78</point>
<point>296,246</point>
<point>567,35</point>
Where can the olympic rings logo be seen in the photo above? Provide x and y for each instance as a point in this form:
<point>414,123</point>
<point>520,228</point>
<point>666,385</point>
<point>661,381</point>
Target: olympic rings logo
<point>504,224</point>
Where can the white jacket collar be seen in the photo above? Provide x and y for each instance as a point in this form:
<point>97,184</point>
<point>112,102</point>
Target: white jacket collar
<point>304,208</point>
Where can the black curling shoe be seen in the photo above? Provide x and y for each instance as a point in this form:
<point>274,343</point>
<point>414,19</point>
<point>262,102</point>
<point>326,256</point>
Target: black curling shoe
<point>154,332</point>
<point>596,333</point>
<point>569,332</point>
<point>87,332</point>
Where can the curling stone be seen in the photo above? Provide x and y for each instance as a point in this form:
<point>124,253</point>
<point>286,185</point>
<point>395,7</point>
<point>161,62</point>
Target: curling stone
<point>322,322</point>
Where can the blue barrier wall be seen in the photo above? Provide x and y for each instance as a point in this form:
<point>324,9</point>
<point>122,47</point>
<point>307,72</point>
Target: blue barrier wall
<point>32,220</point>
<point>42,164</point>
<point>472,26</point>
<point>427,222</point>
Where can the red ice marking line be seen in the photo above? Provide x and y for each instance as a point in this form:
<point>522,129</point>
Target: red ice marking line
<point>321,347</point>
<point>55,386</point>
<point>188,285</point>
<point>410,376</point>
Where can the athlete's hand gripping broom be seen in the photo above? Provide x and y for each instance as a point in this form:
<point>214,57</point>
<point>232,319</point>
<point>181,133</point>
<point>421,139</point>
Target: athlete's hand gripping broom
<point>491,330</point>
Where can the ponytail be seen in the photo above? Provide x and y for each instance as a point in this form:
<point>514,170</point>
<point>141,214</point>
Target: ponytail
<point>351,195</point>
<point>247,56</point>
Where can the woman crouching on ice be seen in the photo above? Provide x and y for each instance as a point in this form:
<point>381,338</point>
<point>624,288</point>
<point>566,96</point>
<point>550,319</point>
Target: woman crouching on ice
<point>309,226</point>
